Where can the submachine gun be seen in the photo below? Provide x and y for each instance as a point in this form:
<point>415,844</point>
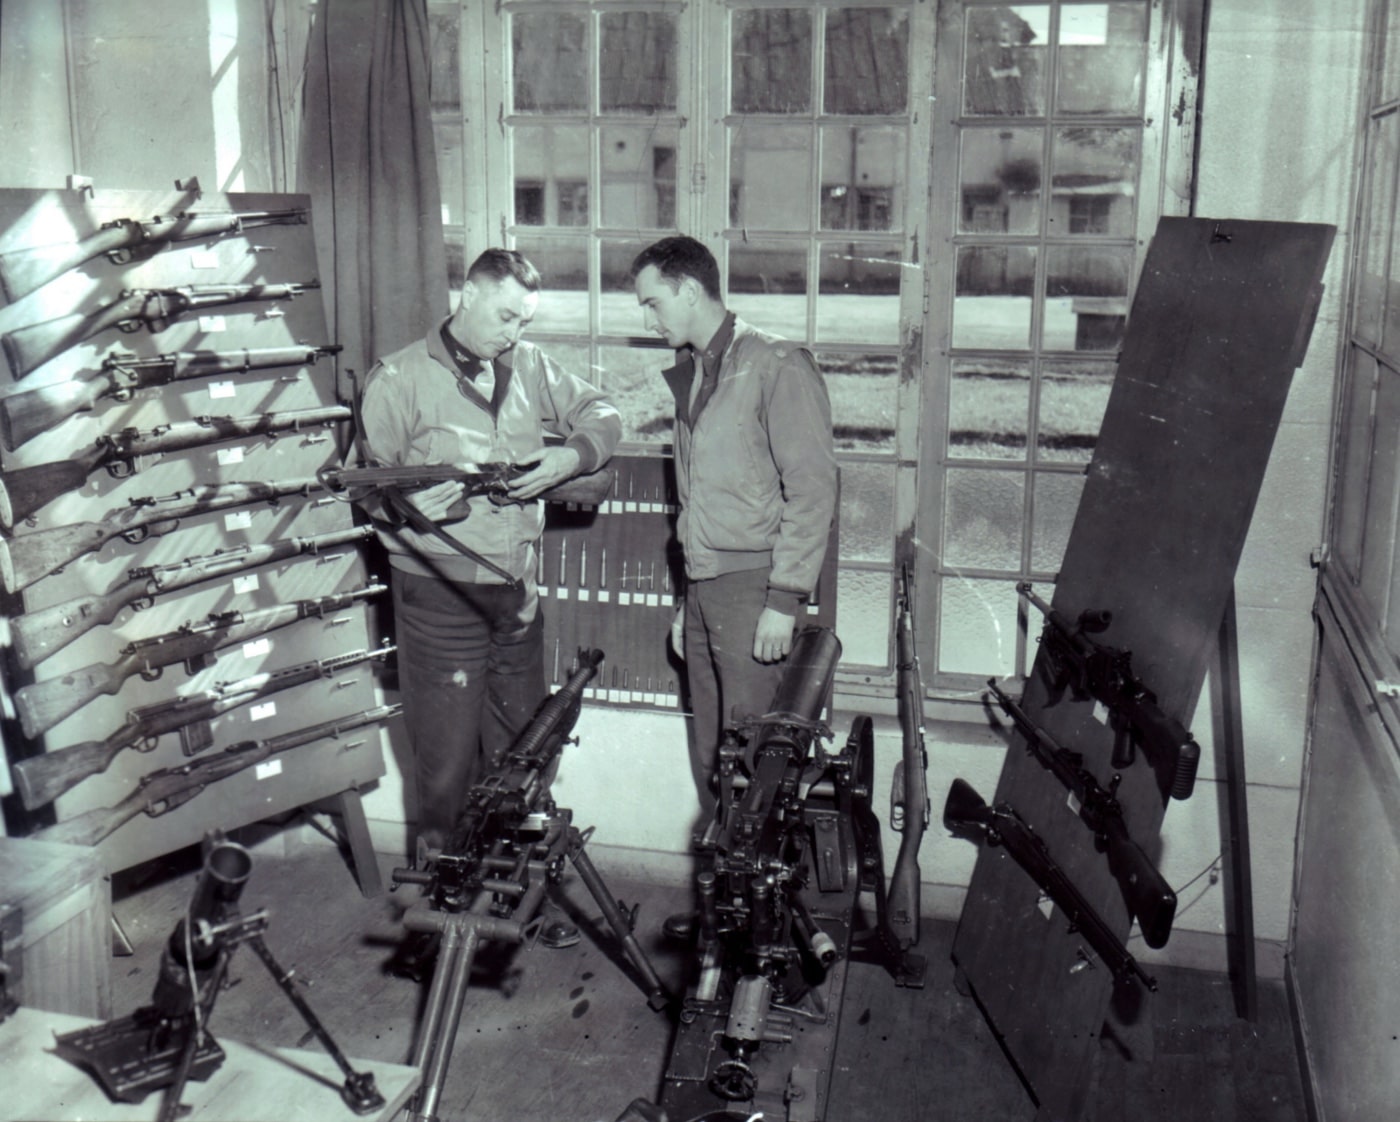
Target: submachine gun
<point>167,1043</point>
<point>793,844</point>
<point>488,881</point>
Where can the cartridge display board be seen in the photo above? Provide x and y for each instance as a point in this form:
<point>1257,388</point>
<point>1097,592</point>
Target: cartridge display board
<point>1221,318</point>
<point>174,581</point>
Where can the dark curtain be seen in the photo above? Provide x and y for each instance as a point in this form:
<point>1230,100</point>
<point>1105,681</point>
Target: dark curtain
<point>369,163</point>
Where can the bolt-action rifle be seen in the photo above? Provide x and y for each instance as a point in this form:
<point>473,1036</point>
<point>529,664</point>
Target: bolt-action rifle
<point>41,779</point>
<point>36,635</point>
<point>43,704</point>
<point>31,557</point>
<point>124,240</point>
<point>25,413</point>
<point>1149,897</point>
<point>359,483</point>
<point>164,789</point>
<point>28,489</point>
<point>28,348</point>
<point>969,817</point>
<point>909,801</point>
<point>1089,668</point>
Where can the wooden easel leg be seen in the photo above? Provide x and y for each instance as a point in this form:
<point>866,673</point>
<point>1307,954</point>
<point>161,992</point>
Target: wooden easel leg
<point>1234,816</point>
<point>352,812</point>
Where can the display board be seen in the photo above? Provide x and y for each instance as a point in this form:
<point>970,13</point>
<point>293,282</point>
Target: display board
<point>1221,318</point>
<point>98,283</point>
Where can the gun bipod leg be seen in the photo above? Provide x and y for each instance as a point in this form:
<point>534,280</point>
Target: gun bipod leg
<point>657,997</point>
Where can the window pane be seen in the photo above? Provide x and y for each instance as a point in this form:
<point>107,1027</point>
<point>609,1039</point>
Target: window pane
<point>1356,462</point>
<point>768,287</point>
<point>639,176</point>
<point>982,519</point>
<point>1004,65</point>
<point>456,262</point>
<point>862,177</point>
<point>1102,58</point>
<point>563,266</point>
<point>1001,177</point>
<point>1073,397</point>
<point>621,314</point>
<point>867,511</point>
<point>1378,550</point>
<point>867,66</point>
<point>1375,235</point>
<point>636,67</point>
<point>1056,501</point>
<point>772,61</point>
<point>864,398</point>
<point>1095,181</point>
<point>992,304</point>
<point>444,74</point>
<point>989,407</point>
<point>1086,297</point>
<point>977,627</point>
<point>451,172</point>
<point>551,174</point>
<point>863,616</point>
<point>770,175</point>
<point>1390,83</point>
<point>631,377</point>
<point>550,72</point>
<point>858,301</point>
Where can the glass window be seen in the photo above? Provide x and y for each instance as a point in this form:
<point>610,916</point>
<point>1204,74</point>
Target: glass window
<point>1004,60</point>
<point>771,61</point>
<point>549,55</point>
<point>637,61</point>
<point>866,69</point>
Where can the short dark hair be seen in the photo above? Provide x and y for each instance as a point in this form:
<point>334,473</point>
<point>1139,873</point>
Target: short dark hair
<point>498,264</point>
<point>679,257</point>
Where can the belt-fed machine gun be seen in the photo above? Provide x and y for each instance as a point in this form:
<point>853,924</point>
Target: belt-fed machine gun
<point>489,879</point>
<point>793,844</point>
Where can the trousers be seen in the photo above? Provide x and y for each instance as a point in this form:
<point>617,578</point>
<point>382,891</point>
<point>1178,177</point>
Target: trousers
<point>726,682</point>
<point>471,675</point>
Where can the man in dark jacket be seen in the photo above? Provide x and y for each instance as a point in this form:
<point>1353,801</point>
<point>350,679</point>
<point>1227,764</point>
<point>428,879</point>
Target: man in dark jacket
<point>757,480</point>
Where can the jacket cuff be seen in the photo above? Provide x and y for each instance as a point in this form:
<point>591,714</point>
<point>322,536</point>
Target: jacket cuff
<point>784,600</point>
<point>588,459</point>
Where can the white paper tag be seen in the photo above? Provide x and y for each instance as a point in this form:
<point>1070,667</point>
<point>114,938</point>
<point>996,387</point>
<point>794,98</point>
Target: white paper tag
<point>584,595</point>
<point>256,648</point>
<point>228,456</point>
<point>203,259</point>
<point>263,711</point>
<point>604,596</point>
<point>222,389</point>
<point>267,769</point>
<point>238,520</point>
<point>248,583</point>
<point>213,323</point>
<point>1101,712</point>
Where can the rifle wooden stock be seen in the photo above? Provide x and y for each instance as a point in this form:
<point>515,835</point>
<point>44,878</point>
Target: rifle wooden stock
<point>27,348</point>
<point>25,413</point>
<point>968,816</point>
<point>165,789</point>
<point>1149,897</point>
<point>41,779</point>
<point>36,635</point>
<point>26,490</point>
<point>910,799</point>
<point>483,479</point>
<point>124,240</point>
<point>31,557</point>
<point>41,705</point>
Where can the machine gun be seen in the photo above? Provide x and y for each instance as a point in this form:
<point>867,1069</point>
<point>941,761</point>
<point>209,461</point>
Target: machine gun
<point>1091,669</point>
<point>782,866</point>
<point>488,881</point>
<point>166,1044</point>
<point>969,817</point>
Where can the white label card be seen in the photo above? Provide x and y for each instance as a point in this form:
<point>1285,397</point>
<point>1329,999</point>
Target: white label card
<point>213,323</point>
<point>262,712</point>
<point>204,259</point>
<point>238,520</point>
<point>268,768</point>
<point>248,583</point>
<point>222,389</point>
<point>256,648</point>
<point>228,456</point>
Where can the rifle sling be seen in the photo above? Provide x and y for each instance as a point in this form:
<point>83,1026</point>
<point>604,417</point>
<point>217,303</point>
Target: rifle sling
<point>403,509</point>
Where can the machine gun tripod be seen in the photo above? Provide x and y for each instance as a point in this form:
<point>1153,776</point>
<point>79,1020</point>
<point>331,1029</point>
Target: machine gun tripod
<point>166,1044</point>
<point>488,882</point>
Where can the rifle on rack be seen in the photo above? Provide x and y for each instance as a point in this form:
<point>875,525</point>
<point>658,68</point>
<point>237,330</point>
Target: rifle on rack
<point>25,413</point>
<point>910,807</point>
<point>41,779</point>
<point>28,489</point>
<point>488,880</point>
<point>124,240</point>
<point>1148,895</point>
<point>28,348</point>
<point>31,557</point>
<point>1093,669</point>
<point>969,817</point>
<point>359,483</point>
<point>164,789</point>
<point>37,634</point>
<point>42,705</point>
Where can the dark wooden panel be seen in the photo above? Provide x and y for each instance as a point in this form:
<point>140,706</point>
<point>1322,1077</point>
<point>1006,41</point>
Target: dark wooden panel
<point>1221,318</point>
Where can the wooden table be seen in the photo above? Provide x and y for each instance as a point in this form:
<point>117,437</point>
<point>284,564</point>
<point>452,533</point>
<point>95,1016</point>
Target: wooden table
<point>253,1084</point>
